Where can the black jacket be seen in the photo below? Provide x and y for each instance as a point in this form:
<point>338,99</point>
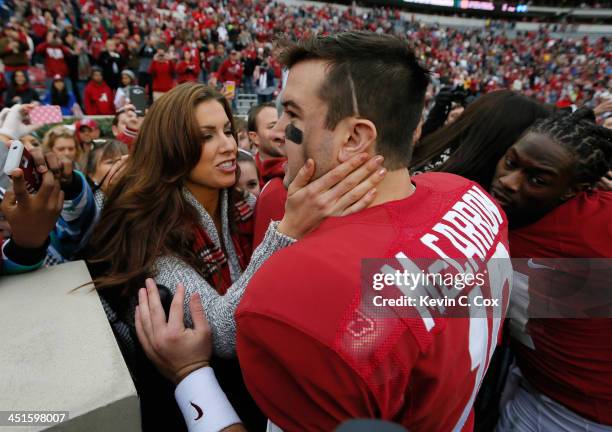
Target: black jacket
<point>111,65</point>
<point>27,95</point>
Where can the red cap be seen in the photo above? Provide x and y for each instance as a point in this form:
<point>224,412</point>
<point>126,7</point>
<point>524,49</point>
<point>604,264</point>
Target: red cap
<point>564,103</point>
<point>58,77</point>
<point>86,122</point>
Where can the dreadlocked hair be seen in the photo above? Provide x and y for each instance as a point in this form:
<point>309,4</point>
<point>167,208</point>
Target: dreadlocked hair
<point>590,144</point>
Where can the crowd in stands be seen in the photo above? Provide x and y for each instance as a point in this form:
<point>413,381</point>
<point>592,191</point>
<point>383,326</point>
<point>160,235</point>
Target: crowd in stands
<point>228,251</point>
<point>99,47</point>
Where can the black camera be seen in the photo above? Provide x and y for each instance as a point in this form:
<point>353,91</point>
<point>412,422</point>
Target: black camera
<point>459,94</point>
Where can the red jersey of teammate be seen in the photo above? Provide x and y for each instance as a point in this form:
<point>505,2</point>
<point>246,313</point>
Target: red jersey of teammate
<point>311,357</point>
<point>569,360</point>
<point>270,207</point>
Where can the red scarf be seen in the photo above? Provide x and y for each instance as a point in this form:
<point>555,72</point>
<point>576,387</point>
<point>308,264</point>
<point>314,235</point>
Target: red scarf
<point>215,266</point>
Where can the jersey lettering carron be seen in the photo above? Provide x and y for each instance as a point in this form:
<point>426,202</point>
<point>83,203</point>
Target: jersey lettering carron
<point>467,241</point>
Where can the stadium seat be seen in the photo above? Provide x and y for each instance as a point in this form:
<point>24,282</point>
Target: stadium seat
<point>244,102</point>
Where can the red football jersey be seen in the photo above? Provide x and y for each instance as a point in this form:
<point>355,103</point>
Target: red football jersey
<point>313,356</point>
<point>569,360</point>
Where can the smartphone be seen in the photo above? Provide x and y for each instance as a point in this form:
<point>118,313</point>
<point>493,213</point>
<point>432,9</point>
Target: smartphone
<point>19,157</point>
<point>230,87</point>
<point>46,114</point>
<point>138,98</point>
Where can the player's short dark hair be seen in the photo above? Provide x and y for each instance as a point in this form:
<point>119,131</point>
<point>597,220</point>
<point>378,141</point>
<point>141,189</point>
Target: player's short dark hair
<point>389,85</point>
<point>254,112</point>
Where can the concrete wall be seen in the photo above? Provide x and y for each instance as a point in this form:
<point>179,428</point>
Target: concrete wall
<point>58,352</point>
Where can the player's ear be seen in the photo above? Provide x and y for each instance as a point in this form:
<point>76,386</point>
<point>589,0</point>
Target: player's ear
<point>358,136</point>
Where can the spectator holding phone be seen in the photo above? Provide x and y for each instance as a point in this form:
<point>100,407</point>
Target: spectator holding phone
<point>231,69</point>
<point>265,83</point>
<point>31,218</point>
<point>55,53</point>
<point>19,91</point>
<point>162,73</point>
<point>188,69</point>
<point>98,95</point>
<point>63,192</point>
<point>111,63</point>
<point>59,95</point>
<point>28,218</point>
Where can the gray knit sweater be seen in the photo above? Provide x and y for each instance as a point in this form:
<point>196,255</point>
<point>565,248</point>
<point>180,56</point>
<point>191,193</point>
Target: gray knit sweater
<point>219,309</point>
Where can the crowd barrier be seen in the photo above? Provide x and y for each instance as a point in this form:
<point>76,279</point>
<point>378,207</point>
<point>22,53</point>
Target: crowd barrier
<point>59,354</point>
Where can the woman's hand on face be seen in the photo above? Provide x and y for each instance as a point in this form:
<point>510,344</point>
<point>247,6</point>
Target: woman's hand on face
<point>348,188</point>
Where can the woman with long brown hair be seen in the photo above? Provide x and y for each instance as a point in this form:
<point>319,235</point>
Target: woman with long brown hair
<point>472,145</point>
<point>176,216</point>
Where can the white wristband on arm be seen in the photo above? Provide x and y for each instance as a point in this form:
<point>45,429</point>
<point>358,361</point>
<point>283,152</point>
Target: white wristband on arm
<point>203,404</point>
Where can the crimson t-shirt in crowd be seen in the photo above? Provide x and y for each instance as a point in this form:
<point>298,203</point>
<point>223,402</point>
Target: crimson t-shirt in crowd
<point>162,73</point>
<point>270,207</point>
<point>312,356</point>
<point>230,71</point>
<point>98,99</point>
<point>55,59</point>
<point>187,71</point>
<point>270,168</point>
<point>568,360</point>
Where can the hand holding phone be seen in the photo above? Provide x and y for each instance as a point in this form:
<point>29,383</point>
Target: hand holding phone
<point>230,87</point>
<point>229,90</point>
<point>15,121</point>
<point>32,216</point>
<point>138,98</point>
<point>19,157</point>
